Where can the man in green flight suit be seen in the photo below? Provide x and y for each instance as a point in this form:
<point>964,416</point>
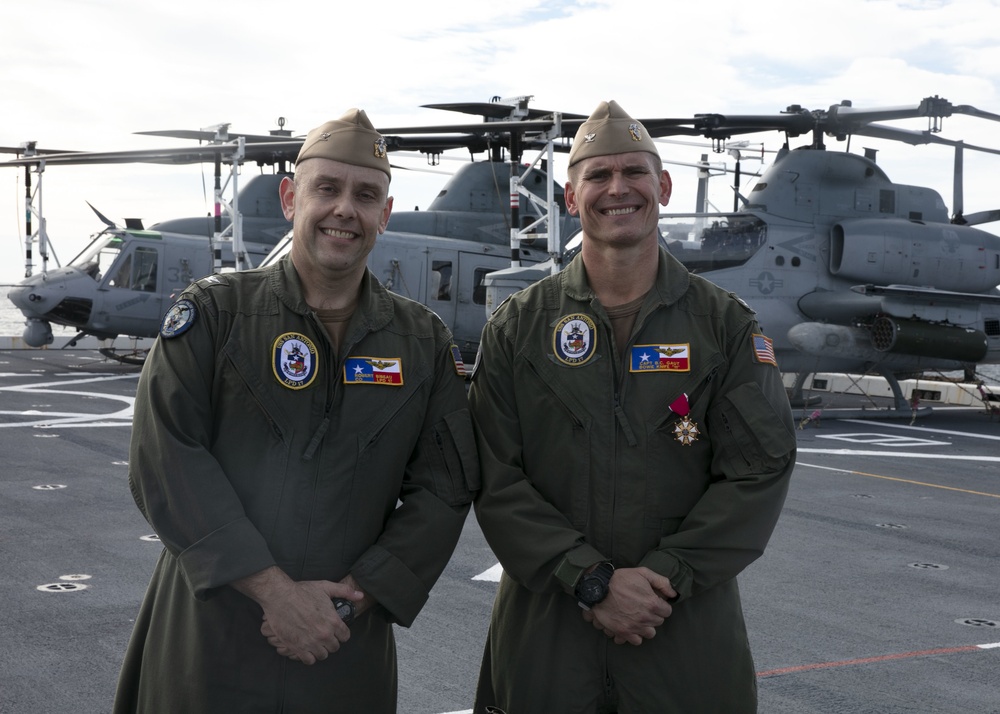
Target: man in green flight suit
<point>303,448</point>
<point>636,444</point>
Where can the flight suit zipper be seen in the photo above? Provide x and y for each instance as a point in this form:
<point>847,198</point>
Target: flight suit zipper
<point>331,387</point>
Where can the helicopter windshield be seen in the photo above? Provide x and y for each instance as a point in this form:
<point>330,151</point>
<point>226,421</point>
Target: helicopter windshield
<point>95,259</point>
<point>718,241</point>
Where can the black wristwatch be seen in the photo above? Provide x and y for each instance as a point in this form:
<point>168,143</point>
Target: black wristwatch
<point>593,587</point>
<point>345,608</point>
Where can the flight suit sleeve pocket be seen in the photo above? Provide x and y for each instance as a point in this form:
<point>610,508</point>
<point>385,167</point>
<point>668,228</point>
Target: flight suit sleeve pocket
<point>454,458</point>
<point>754,437</point>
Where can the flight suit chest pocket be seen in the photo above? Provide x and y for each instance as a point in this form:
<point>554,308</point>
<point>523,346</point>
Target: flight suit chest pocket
<point>246,378</point>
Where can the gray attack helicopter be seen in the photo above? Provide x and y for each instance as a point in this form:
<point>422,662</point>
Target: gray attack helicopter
<point>125,279</point>
<point>848,271</point>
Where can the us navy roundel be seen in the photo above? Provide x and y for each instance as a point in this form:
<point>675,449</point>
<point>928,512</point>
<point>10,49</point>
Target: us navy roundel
<point>295,360</point>
<point>574,339</point>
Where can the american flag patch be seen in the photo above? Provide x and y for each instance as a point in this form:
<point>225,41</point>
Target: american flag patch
<point>456,356</point>
<point>763,350</point>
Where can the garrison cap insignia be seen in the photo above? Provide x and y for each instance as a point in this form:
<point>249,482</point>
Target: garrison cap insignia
<point>574,339</point>
<point>635,131</point>
<point>660,358</point>
<point>178,319</point>
<point>380,148</point>
<point>456,356</point>
<point>295,360</point>
<point>763,350</point>
<point>588,138</point>
<point>374,370</point>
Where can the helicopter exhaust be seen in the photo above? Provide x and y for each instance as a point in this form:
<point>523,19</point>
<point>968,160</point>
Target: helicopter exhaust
<point>906,337</point>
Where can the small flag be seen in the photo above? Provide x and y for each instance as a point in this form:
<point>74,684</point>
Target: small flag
<point>763,350</point>
<point>456,356</point>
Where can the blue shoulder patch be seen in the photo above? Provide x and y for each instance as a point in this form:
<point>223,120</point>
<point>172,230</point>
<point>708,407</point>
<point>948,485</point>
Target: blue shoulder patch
<point>178,319</point>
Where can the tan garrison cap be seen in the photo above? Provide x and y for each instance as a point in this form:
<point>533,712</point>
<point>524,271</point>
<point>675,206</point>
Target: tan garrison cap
<point>351,139</point>
<point>609,130</point>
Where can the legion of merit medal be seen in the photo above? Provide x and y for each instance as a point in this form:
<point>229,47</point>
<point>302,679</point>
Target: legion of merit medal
<point>685,431</point>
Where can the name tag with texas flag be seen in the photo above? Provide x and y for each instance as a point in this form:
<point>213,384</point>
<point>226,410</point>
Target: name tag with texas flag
<point>374,370</point>
<point>660,358</point>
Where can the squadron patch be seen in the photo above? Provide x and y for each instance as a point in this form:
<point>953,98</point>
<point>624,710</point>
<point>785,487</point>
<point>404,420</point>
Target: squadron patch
<point>574,339</point>
<point>374,370</point>
<point>660,358</point>
<point>295,360</point>
<point>178,319</point>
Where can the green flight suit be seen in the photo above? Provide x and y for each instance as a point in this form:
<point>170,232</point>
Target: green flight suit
<point>251,450</point>
<point>584,461</point>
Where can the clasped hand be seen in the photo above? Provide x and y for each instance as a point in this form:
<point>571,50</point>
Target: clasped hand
<point>635,606</point>
<point>303,625</point>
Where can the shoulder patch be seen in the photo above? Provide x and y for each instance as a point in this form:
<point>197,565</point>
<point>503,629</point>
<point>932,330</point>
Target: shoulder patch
<point>456,356</point>
<point>178,319</point>
<point>763,349</point>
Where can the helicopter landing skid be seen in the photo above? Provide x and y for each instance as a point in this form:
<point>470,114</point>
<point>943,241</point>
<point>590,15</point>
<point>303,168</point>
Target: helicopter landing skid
<point>134,355</point>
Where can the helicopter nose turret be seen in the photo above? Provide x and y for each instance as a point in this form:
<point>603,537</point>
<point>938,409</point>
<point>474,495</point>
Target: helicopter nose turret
<point>32,304</point>
<point>37,333</point>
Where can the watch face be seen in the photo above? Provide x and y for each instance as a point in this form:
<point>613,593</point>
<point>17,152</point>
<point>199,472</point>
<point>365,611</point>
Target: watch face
<point>591,590</point>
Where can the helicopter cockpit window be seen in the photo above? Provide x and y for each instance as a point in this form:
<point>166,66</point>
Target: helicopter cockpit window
<point>722,241</point>
<point>96,258</point>
<point>441,280</point>
<point>137,271</point>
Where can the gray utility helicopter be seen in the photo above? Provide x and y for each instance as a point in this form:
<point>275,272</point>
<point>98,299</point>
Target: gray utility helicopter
<point>124,281</point>
<point>848,271</point>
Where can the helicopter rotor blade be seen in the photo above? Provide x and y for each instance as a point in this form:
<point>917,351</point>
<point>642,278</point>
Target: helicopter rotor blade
<point>104,219</point>
<point>981,217</point>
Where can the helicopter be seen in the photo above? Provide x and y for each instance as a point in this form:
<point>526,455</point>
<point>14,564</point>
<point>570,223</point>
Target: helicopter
<point>127,277</point>
<point>848,271</point>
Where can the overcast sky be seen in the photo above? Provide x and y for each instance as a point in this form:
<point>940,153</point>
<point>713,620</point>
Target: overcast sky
<point>87,74</point>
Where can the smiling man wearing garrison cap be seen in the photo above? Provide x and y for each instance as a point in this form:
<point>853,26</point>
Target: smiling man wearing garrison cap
<point>303,448</point>
<point>635,452</point>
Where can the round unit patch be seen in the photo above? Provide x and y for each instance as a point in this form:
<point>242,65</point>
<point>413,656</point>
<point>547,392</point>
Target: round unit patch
<point>574,339</point>
<point>178,319</point>
<point>295,360</point>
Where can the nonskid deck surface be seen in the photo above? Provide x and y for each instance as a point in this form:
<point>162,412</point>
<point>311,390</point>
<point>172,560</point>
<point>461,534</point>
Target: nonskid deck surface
<point>877,593</point>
